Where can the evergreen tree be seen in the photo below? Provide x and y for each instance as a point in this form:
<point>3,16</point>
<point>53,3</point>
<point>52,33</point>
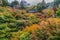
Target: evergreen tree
<point>4,2</point>
<point>41,6</point>
<point>15,2</point>
<point>56,3</point>
<point>22,5</point>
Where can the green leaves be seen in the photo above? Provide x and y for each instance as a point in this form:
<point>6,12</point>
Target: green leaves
<point>4,30</point>
<point>3,39</point>
<point>54,38</point>
<point>56,2</point>
<point>4,2</point>
<point>58,13</point>
<point>25,36</point>
<point>12,22</point>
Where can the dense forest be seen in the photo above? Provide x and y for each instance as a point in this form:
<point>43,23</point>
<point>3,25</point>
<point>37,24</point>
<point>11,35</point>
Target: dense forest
<point>39,22</point>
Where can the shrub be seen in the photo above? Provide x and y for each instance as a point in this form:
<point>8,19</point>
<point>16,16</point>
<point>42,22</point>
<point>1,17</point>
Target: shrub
<point>4,30</point>
<point>48,12</point>
<point>54,38</point>
<point>25,36</point>
<point>47,30</point>
<point>58,13</point>
<point>3,38</point>
<point>12,21</point>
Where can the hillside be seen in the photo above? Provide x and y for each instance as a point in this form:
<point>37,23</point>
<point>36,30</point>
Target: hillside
<point>12,20</point>
<point>18,25</point>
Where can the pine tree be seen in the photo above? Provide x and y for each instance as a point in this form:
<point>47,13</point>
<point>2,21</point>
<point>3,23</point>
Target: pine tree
<point>22,5</point>
<point>56,3</point>
<point>4,2</point>
<point>15,2</point>
<point>43,4</point>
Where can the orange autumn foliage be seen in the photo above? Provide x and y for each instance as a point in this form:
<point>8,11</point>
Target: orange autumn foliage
<point>44,24</point>
<point>31,28</point>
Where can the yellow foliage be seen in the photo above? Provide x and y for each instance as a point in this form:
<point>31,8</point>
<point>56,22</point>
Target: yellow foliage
<point>15,35</point>
<point>48,12</point>
<point>55,21</point>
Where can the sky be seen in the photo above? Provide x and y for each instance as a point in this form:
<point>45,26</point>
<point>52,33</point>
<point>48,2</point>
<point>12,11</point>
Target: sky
<point>33,2</point>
